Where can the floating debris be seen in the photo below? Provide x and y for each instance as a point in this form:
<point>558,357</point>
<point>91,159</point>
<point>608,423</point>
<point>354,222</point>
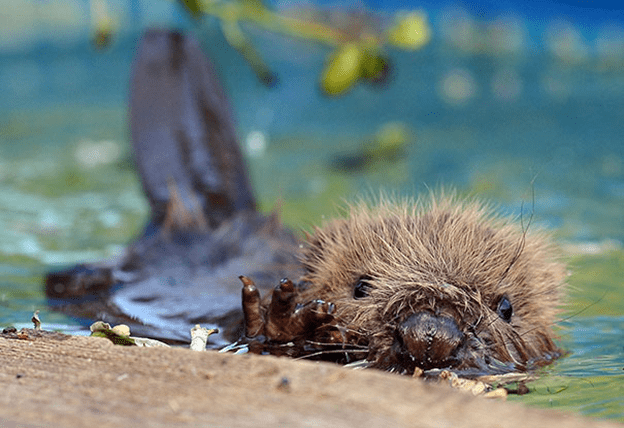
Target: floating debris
<point>389,144</point>
<point>36,321</point>
<point>199,337</point>
<point>102,329</point>
<point>23,334</point>
<point>488,386</point>
<point>122,330</point>
<point>120,335</point>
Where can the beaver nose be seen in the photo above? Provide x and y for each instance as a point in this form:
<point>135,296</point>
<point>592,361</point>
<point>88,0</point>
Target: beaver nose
<point>429,340</point>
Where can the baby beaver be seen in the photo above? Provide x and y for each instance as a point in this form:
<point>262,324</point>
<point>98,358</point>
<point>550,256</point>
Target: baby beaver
<point>436,284</point>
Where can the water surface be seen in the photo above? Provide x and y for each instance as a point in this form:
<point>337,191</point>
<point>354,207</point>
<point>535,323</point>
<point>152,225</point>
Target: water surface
<point>539,136</point>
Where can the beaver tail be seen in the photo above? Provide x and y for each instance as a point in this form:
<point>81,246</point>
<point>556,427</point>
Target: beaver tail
<point>183,136</point>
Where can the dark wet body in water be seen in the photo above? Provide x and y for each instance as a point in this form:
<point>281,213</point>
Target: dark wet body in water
<point>204,229</point>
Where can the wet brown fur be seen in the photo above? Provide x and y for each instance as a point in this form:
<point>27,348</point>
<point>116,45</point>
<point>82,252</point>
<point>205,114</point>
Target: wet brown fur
<point>444,255</point>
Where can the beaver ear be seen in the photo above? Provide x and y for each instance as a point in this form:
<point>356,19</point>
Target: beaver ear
<point>362,288</point>
<point>504,309</point>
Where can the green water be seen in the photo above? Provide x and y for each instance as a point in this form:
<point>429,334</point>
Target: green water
<point>69,193</point>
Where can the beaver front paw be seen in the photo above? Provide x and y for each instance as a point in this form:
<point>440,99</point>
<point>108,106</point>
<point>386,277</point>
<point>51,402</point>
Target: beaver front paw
<point>282,319</point>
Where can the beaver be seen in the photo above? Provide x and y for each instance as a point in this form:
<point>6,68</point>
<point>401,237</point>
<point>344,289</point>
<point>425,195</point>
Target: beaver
<point>204,228</point>
<point>435,283</point>
<point>438,282</point>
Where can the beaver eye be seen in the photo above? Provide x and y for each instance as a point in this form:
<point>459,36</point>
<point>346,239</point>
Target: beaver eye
<point>361,289</point>
<point>505,311</point>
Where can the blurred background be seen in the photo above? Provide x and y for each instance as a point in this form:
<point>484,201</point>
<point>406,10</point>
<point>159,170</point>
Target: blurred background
<point>521,103</point>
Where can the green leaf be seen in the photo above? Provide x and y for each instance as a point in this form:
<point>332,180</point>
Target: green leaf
<point>375,67</point>
<point>411,31</point>
<point>343,69</point>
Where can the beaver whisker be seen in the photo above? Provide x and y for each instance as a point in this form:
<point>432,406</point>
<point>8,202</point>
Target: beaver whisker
<point>354,345</point>
<point>234,347</point>
<point>492,319</point>
<point>345,330</point>
<point>323,352</point>
<point>580,311</point>
<point>360,364</point>
<point>515,353</point>
<point>473,326</point>
<point>522,244</point>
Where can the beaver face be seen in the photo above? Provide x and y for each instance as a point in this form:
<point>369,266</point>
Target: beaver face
<point>447,285</point>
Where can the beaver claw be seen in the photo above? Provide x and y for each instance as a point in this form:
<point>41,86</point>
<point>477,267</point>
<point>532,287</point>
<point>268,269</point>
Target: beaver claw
<point>282,319</point>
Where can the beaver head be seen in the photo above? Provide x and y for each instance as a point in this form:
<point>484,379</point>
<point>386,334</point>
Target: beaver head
<point>437,284</point>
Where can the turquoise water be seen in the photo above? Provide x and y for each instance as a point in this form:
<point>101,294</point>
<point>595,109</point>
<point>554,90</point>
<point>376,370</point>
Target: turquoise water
<point>529,130</point>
